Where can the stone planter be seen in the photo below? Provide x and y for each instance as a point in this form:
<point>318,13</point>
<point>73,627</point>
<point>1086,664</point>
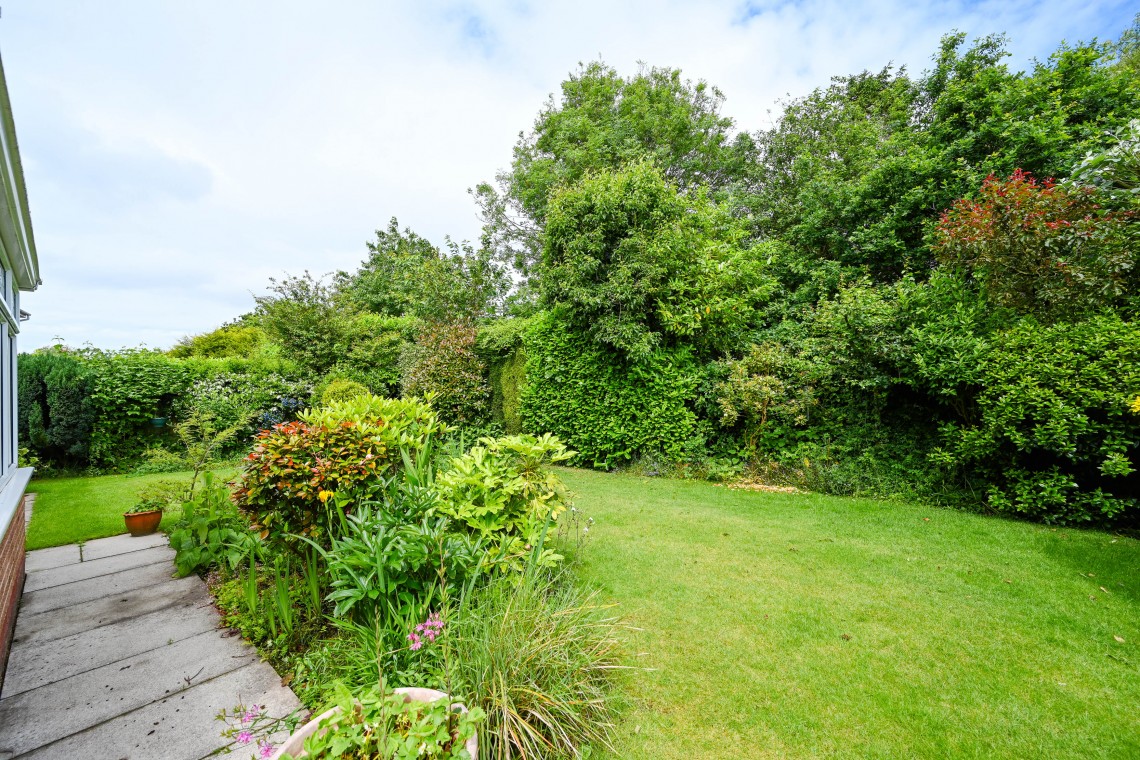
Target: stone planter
<point>295,744</point>
<point>143,523</point>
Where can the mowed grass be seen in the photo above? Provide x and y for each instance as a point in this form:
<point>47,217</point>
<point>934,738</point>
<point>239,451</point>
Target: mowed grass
<point>804,626</point>
<point>797,626</point>
<point>69,510</point>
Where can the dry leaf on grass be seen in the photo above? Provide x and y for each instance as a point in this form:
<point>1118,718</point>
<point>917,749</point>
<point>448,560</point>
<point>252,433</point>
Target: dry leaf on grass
<point>746,485</point>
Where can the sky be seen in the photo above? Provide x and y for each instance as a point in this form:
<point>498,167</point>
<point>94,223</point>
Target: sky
<point>179,154</point>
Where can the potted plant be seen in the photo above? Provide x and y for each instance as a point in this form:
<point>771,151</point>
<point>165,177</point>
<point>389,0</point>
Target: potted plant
<point>143,518</point>
<point>401,723</point>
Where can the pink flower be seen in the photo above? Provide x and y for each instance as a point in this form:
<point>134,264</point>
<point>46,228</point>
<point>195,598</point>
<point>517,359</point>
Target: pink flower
<point>265,749</point>
<point>244,737</point>
<point>429,630</point>
<point>249,715</point>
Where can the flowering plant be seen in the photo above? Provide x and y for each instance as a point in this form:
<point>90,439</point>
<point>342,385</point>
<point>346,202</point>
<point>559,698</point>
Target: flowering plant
<point>250,726</point>
<point>426,631</point>
<point>382,723</point>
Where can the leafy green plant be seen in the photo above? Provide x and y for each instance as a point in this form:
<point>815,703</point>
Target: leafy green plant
<point>210,532</point>
<point>1115,170</point>
<point>157,497</point>
<point>407,423</point>
<point>377,723</point>
<point>157,459</point>
<point>229,340</point>
<point>378,567</point>
<point>342,390</point>
<point>767,389</point>
<point>504,487</point>
<point>203,439</point>
<point>1055,435</point>
<point>296,468</point>
<point>302,476</point>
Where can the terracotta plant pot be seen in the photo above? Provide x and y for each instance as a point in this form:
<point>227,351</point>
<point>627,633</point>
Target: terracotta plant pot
<point>294,746</point>
<point>143,523</point>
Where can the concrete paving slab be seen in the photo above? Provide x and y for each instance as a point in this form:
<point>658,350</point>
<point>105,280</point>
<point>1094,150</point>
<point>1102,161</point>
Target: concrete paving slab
<point>106,547</point>
<point>114,658</point>
<point>57,576</point>
<point>66,621</point>
<point>46,559</point>
<point>178,727</point>
<point>93,588</point>
<point>38,717</point>
<point>30,667</point>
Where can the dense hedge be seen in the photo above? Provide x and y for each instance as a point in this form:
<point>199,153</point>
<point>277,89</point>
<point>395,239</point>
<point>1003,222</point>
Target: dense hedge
<point>55,409</point>
<point>508,376</point>
<point>1058,434</point>
<point>604,407</point>
<point>95,408</point>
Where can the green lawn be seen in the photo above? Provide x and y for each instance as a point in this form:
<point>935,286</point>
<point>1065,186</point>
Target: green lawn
<point>791,626</point>
<point>68,510</point>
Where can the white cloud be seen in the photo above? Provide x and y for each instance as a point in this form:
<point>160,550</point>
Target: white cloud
<point>178,154</point>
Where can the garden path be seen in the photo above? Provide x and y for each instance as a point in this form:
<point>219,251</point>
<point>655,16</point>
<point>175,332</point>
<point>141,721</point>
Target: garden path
<point>113,658</point>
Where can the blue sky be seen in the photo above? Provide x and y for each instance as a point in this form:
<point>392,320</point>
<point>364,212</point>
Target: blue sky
<point>179,154</point>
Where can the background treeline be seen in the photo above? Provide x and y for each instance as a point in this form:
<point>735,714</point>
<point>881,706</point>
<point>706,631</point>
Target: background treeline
<point>919,285</point>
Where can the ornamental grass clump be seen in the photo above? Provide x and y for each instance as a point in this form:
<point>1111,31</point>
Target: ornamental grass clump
<point>538,657</point>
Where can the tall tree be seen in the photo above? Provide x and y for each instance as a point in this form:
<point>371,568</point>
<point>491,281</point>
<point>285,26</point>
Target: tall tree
<point>638,265</point>
<point>308,318</point>
<point>855,173</point>
<point>405,275</point>
<point>603,121</point>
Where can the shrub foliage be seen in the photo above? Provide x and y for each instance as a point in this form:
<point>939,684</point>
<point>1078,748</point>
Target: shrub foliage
<point>303,476</point>
<point>606,407</point>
